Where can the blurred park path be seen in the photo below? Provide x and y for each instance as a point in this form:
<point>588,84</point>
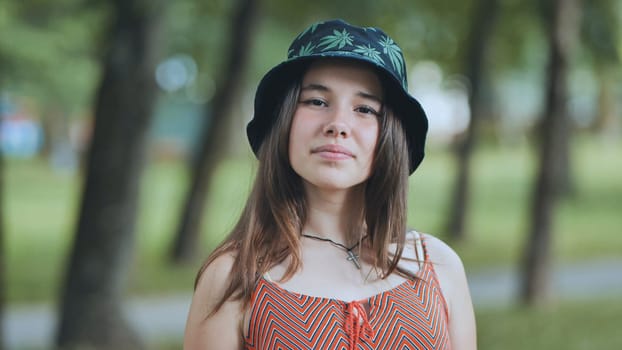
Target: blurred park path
<point>163,318</point>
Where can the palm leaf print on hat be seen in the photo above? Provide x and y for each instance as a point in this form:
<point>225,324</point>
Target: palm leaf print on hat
<point>338,39</point>
<point>391,49</point>
<point>369,52</point>
<point>305,50</point>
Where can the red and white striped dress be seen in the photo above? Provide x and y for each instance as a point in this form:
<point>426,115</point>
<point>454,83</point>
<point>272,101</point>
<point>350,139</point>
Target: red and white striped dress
<point>412,315</point>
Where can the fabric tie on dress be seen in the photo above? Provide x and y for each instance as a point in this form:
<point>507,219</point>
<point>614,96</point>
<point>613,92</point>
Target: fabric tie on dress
<point>357,323</point>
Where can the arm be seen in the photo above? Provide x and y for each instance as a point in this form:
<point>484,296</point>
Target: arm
<point>221,330</point>
<point>451,276</point>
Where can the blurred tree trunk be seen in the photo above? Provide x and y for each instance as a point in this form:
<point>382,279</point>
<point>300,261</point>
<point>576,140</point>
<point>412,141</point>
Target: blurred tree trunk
<point>215,131</point>
<point>3,279</point>
<point>606,122</point>
<point>566,36</point>
<point>91,312</point>
<point>562,21</point>
<point>3,283</point>
<point>483,18</point>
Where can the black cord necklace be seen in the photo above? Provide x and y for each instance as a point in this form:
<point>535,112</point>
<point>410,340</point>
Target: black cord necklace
<point>351,255</point>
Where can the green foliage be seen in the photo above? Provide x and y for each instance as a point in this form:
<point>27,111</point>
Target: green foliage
<point>518,42</point>
<point>197,28</point>
<point>601,31</point>
<point>48,50</point>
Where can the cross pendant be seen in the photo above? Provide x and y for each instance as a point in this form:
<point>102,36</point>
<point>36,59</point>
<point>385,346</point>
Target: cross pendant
<point>354,258</point>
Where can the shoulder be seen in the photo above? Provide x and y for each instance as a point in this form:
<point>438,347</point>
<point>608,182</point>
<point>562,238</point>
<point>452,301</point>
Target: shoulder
<point>420,247</point>
<point>214,275</point>
<point>438,251</point>
<point>212,283</point>
<point>454,287</point>
<point>447,265</point>
<point>441,254</point>
<point>205,327</point>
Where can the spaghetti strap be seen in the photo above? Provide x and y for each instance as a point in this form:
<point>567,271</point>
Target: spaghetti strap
<point>419,249</point>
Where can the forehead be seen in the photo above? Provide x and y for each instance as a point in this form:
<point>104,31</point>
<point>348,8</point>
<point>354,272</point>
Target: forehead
<point>343,72</point>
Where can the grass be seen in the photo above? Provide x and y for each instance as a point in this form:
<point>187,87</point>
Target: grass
<point>568,326</point>
<point>41,208</point>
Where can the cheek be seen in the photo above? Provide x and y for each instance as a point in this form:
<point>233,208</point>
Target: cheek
<point>296,134</point>
<point>370,137</point>
<point>302,127</point>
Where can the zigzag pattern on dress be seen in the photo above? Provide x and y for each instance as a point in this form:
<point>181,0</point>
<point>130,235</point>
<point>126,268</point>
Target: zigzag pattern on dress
<point>412,315</point>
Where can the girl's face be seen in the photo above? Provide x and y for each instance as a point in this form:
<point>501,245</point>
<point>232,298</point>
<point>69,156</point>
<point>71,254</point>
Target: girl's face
<point>335,125</point>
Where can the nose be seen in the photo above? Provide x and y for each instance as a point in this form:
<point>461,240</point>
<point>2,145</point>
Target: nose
<point>336,130</point>
<point>336,127</point>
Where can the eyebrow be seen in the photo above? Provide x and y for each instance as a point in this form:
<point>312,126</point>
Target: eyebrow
<point>323,88</point>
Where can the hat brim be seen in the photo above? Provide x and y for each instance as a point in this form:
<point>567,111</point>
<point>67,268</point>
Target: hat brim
<point>275,84</point>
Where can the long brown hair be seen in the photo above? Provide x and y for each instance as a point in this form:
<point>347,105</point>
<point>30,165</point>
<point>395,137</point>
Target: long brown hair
<point>268,230</point>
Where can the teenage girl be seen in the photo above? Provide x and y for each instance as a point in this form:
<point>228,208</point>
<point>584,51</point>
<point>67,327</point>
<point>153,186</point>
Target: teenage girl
<point>321,257</point>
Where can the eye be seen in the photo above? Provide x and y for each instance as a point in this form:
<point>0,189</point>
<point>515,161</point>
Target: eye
<point>367,110</point>
<point>314,102</point>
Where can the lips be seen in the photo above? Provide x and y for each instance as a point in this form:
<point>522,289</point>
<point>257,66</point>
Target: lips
<point>333,151</point>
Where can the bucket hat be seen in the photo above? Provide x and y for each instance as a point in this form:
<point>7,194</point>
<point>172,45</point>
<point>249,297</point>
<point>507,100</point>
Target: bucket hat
<point>339,39</point>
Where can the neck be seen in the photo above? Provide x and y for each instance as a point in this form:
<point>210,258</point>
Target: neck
<point>334,215</point>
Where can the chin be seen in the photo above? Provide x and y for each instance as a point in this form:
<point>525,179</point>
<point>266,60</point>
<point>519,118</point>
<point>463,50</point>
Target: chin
<point>335,183</point>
